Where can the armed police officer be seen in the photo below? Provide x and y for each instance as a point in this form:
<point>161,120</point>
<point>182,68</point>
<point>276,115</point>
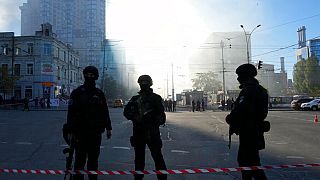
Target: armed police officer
<point>146,111</point>
<point>88,117</point>
<point>247,120</point>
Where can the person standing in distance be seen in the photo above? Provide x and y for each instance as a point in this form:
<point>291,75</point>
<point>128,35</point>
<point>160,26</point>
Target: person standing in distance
<point>88,117</point>
<point>146,111</point>
<point>246,119</point>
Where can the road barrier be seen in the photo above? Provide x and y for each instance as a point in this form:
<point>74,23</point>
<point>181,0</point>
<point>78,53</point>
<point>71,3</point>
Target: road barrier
<point>182,171</point>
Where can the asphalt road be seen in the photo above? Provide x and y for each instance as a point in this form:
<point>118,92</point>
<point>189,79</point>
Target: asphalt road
<point>33,140</point>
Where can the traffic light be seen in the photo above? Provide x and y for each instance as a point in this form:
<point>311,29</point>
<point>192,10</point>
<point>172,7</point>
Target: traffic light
<point>260,64</point>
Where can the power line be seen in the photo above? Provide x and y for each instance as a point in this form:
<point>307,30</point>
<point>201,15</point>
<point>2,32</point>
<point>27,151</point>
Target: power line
<point>283,48</point>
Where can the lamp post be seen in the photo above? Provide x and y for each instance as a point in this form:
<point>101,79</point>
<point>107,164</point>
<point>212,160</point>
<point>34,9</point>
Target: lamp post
<point>172,83</point>
<point>248,39</point>
<point>223,78</point>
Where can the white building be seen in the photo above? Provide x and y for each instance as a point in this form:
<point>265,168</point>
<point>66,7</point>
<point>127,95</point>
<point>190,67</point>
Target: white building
<point>46,67</point>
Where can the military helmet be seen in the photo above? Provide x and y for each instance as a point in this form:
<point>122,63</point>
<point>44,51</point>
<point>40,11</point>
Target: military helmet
<point>145,79</point>
<point>91,72</point>
<point>246,70</point>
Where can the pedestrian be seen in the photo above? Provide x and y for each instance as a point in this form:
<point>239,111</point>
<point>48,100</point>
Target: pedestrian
<point>193,105</point>
<point>26,104</point>
<point>48,102</point>
<point>202,105</point>
<point>170,105</point>
<point>229,103</point>
<point>166,105</point>
<point>223,104</point>
<point>146,112</point>
<point>198,105</point>
<point>247,120</point>
<point>36,102</point>
<point>174,104</point>
<point>42,102</point>
<point>88,117</point>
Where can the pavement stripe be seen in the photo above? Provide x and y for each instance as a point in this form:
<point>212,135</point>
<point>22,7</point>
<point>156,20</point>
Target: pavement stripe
<point>23,143</point>
<point>121,147</point>
<point>179,151</point>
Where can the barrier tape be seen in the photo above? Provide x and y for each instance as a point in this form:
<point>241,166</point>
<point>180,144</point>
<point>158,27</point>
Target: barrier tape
<point>183,171</point>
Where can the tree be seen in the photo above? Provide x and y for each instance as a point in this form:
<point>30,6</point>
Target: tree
<point>306,76</point>
<point>111,87</point>
<point>206,82</point>
<point>7,82</point>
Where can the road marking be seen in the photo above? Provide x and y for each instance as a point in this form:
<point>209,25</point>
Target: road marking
<point>3,142</point>
<point>23,143</point>
<point>218,119</point>
<point>281,143</point>
<point>168,136</point>
<point>64,145</point>
<point>121,147</point>
<point>294,157</point>
<point>291,118</point>
<point>179,151</point>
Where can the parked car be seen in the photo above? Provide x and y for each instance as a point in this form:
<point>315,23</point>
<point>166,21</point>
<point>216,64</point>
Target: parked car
<point>118,103</point>
<point>312,105</point>
<point>296,104</point>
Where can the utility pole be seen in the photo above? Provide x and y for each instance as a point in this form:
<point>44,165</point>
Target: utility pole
<point>104,63</point>
<point>12,60</point>
<point>167,86</point>
<point>172,83</point>
<point>223,71</point>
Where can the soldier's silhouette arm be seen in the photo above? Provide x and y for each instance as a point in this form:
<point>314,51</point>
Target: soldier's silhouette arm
<point>72,111</point>
<point>108,126</point>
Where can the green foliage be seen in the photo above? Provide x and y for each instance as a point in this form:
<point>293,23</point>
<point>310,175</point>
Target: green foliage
<point>110,88</point>
<point>7,82</point>
<point>306,76</point>
<point>114,89</point>
<point>206,82</point>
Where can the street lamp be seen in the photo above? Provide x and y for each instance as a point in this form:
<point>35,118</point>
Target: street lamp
<point>248,39</point>
<point>223,78</point>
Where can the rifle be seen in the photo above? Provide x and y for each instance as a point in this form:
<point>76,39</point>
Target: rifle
<point>70,151</point>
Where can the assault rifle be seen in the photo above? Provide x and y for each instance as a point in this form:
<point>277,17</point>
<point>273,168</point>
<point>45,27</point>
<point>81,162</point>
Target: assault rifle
<point>69,151</point>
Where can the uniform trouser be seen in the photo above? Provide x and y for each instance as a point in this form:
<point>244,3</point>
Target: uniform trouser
<point>87,150</point>
<point>250,157</point>
<point>155,145</point>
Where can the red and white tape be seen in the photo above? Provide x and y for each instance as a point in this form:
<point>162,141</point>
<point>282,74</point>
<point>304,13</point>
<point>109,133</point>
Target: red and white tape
<point>182,171</point>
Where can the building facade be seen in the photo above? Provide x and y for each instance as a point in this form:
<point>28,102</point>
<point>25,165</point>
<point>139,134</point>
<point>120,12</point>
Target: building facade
<point>79,23</point>
<point>275,82</point>
<point>307,48</point>
<point>45,66</point>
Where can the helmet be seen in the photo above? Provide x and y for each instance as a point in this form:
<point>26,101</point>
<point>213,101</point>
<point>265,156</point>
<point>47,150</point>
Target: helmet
<point>246,70</point>
<point>91,72</point>
<point>145,79</point>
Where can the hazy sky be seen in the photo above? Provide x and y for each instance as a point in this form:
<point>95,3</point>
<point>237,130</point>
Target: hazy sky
<point>171,25</point>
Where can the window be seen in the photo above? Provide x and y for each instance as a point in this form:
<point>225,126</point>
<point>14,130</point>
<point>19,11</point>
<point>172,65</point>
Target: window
<point>30,48</point>
<point>17,69</point>
<point>58,73</point>
<point>47,49</point>
<point>29,69</point>
<point>28,92</point>
<point>4,68</point>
